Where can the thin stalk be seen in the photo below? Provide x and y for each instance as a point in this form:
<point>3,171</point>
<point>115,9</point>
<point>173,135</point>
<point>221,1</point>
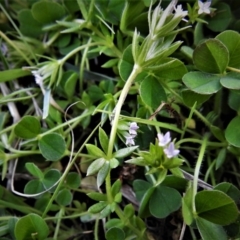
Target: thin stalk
<point>68,168</point>
<point>197,171</point>
<point>61,213</point>
<point>233,69</point>
<point>209,144</point>
<point>136,70</point>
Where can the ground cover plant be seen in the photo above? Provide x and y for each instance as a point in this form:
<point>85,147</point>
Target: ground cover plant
<point>119,119</point>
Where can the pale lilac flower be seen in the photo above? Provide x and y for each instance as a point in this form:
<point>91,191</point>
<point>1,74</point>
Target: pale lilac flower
<point>170,151</point>
<point>163,140</point>
<point>133,127</point>
<point>130,140</point>
<point>179,11</point>
<point>204,7</point>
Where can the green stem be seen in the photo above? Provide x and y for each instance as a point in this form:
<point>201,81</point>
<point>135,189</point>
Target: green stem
<point>233,69</point>
<point>136,70</point>
<point>197,171</point>
<point>108,188</point>
<point>68,168</point>
<point>79,49</point>
<point>61,213</point>
<point>128,223</point>
<point>209,144</point>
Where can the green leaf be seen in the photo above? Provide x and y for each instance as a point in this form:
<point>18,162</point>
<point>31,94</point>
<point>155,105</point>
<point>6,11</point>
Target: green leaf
<point>222,19</point>
<point>220,158</point>
<point>103,139</point>
<point>113,163</point>
<point>140,187</point>
<point>231,40</point>
<point>115,233</point>
<point>70,79</point>
<point>52,146</point>
<point>228,188</point>
<point>190,98</point>
<point>34,170</point>
<point>164,201</point>
<point>28,127</point>
<point>12,74</point>
<point>116,187</point>
<point>64,197</point>
<point>46,12</point>
<point>233,100</point>
<point>97,196</point>
<point>98,207</point>
<point>126,63</point>
<point>124,152</point>
<point>202,83</point>
<point>28,25</point>
<point>94,151</point>
<point>129,211</point>
<point>50,178</point>
<point>232,132</point>
<point>31,226</point>
<point>73,180</point>
<point>216,207</point>
<point>95,166</point>
<point>187,210</point>
<point>210,230</point>
<point>114,222</point>
<point>231,81</point>
<point>102,174</point>
<point>143,209</point>
<point>34,186</point>
<point>152,92</point>
<point>169,68</point>
<point>211,56</point>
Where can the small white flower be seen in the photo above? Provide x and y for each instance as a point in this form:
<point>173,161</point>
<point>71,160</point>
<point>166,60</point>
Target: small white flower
<point>130,140</point>
<point>163,139</point>
<point>179,12</point>
<point>204,7</point>
<point>170,151</point>
<point>38,78</point>
<point>133,127</point>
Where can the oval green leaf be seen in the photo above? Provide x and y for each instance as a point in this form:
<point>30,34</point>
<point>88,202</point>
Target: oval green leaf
<point>231,81</point>
<point>31,226</point>
<point>52,146</point>
<point>73,180</point>
<point>47,12</point>
<point>222,19</point>
<point>115,233</point>
<point>152,92</point>
<point>190,98</point>
<point>216,207</point>
<point>64,197</point>
<point>202,83</point>
<point>232,132</point>
<point>164,201</point>
<point>126,63</point>
<point>28,127</point>
<point>13,74</point>
<point>210,230</point>
<point>231,39</point>
<point>211,56</point>
<point>34,170</point>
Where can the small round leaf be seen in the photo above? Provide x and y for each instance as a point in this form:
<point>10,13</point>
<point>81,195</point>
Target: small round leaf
<point>202,83</point>
<point>232,132</point>
<point>52,146</point>
<point>211,56</point>
<point>64,197</point>
<point>115,233</point>
<point>31,226</point>
<point>164,201</point>
<point>28,127</point>
<point>47,12</point>
<point>152,92</point>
